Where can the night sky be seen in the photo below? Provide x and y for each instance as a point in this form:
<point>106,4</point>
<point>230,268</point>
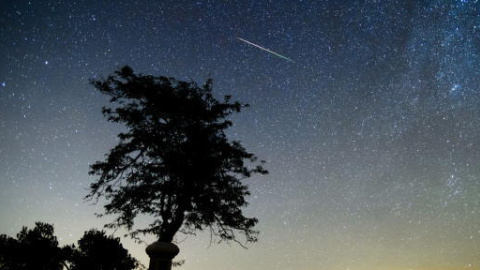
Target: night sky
<point>371,133</point>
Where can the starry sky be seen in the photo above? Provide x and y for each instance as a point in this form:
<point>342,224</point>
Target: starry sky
<point>371,133</point>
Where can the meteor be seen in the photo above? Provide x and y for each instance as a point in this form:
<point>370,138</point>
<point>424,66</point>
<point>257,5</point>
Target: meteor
<point>267,50</point>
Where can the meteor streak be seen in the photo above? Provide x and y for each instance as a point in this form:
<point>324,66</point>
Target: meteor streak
<point>265,49</point>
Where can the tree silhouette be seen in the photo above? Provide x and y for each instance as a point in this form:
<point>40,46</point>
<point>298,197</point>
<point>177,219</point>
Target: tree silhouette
<point>174,162</point>
<point>97,251</point>
<point>38,249</point>
<point>33,249</point>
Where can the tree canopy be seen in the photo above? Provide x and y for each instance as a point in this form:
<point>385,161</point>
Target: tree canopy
<point>35,248</point>
<point>174,162</point>
<point>97,251</point>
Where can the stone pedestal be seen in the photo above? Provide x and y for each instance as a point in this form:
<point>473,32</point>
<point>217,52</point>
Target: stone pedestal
<point>161,255</point>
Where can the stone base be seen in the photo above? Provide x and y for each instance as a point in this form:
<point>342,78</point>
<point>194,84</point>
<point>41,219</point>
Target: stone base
<point>161,255</point>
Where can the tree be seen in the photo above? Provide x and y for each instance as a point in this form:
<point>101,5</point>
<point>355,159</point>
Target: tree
<point>97,251</point>
<point>33,249</point>
<point>38,249</point>
<point>174,162</point>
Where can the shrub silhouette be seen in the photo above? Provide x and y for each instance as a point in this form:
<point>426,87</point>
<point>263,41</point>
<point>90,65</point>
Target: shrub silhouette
<point>97,251</point>
<point>37,249</point>
<point>33,249</point>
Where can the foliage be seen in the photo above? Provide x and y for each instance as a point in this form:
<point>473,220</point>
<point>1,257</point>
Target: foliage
<point>174,162</point>
<point>33,249</point>
<point>37,249</point>
<point>97,251</point>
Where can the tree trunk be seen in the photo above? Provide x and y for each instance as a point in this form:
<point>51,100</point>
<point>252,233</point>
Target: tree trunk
<point>161,255</point>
